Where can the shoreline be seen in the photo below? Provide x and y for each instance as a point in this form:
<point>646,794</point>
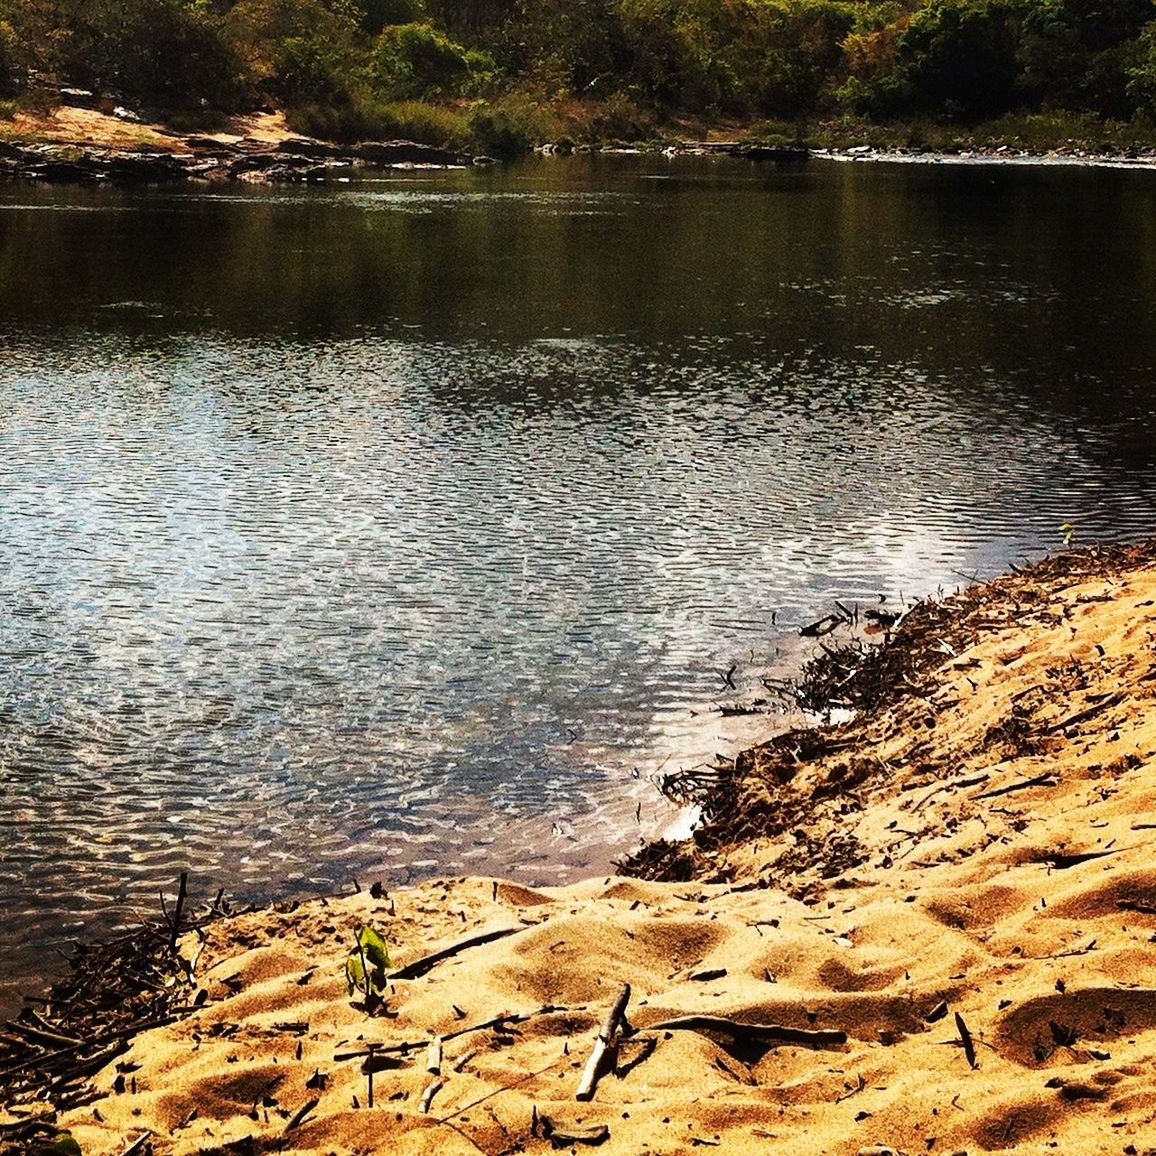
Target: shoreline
<point>85,146</point>
<point>946,902</point>
<point>532,850</point>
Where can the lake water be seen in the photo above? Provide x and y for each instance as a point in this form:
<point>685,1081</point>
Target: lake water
<point>406,526</point>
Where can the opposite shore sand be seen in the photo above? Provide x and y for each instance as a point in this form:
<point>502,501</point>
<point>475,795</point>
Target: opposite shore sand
<point>955,889</point>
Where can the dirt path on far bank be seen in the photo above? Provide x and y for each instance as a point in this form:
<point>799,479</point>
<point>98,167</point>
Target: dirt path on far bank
<point>92,128</point>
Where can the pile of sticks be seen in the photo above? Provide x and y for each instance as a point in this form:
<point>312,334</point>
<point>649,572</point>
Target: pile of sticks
<point>116,989</point>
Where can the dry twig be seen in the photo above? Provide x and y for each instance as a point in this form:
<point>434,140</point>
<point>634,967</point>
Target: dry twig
<point>615,1019</point>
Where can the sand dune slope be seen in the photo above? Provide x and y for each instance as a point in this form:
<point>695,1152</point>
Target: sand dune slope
<point>971,900</point>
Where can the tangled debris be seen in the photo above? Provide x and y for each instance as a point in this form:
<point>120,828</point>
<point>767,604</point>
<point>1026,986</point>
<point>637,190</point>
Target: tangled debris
<point>788,783</point>
<point>116,990</point>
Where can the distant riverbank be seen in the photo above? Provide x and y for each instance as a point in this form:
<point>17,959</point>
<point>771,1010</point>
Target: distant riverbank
<point>84,145</point>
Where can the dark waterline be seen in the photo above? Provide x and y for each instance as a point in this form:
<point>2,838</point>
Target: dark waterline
<point>395,527</point>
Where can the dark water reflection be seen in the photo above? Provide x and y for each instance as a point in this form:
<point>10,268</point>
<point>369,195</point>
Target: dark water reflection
<point>390,528</point>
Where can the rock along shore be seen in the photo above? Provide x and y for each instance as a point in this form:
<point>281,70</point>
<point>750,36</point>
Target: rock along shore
<point>292,160</point>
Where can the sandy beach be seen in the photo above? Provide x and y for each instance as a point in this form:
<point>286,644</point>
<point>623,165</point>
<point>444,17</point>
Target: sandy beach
<point>929,928</point>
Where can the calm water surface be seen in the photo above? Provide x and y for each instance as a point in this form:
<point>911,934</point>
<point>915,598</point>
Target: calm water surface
<point>399,527</point>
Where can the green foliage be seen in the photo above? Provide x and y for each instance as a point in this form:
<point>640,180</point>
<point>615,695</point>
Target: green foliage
<point>305,69</point>
<point>805,52</point>
<point>510,126</point>
<point>374,15</point>
<point>299,51</point>
<point>163,53</point>
<point>350,69</point>
<point>1141,72</point>
<point>366,966</point>
<point>620,118</point>
<point>959,58</point>
<point>64,1144</point>
<point>1080,54</point>
<point>415,60</point>
<point>419,121</point>
<point>10,71</point>
<point>589,49</point>
<point>367,118</point>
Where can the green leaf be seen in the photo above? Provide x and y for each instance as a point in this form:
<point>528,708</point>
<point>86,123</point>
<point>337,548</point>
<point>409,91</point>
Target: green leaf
<point>354,973</point>
<point>65,1144</point>
<point>369,955</point>
<point>374,947</point>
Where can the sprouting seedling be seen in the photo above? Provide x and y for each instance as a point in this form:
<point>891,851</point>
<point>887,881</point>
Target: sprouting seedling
<point>365,967</point>
<point>1069,532</point>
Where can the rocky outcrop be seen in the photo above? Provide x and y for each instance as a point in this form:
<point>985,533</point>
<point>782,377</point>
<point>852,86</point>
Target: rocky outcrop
<point>216,159</point>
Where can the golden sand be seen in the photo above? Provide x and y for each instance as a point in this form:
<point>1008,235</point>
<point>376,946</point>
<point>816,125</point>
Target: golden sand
<point>976,861</point>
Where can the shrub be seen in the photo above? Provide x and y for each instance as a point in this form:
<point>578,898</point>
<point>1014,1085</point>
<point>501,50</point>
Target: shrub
<point>804,55</point>
<point>374,15</point>
<point>425,123</point>
<point>510,126</point>
<point>412,60</point>
<point>10,71</point>
<point>875,84</point>
<point>368,119</point>
<point>307,70</point>
<point>300,51</point>
<point>566,47</point>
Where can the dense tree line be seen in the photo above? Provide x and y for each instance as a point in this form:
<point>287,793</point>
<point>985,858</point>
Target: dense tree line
<point>489,67</point>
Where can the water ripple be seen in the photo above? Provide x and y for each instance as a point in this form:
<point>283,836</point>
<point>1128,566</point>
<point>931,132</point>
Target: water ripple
<point>284,611</point>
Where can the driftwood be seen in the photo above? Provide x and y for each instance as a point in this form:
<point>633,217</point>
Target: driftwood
<point>615,1019</point>
<point>181,890</point>
<point>823,626</point>
<point>1047,779</point>
<point>956,784</point>
<point>427,962</point>
<point>1136,905</point>
<point>509,1018</point>
<point>431,1090</point>
<point>560,1135</point>
<point>116,990</point>
<point>966,1040</point>
<point>302,1112</point>
<point>1083,715</point>
<point>433,1057</point>
<point>756,1033</point>
<point>136,1145</point>
<point>1062,862</point>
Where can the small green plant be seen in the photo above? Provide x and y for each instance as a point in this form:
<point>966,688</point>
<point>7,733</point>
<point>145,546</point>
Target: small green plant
<point>365,967</point>
<point>1069,532</point>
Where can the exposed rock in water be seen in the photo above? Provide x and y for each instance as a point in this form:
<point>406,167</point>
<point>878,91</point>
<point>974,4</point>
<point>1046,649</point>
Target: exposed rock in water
<point>207,158</point>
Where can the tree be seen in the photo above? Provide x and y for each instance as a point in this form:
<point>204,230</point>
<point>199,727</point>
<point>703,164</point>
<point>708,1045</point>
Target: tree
<point>959,58</point>
<point>165,53</point>
<point>416,60</point>
<point>300,51</point>
<point>1141,72</point>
